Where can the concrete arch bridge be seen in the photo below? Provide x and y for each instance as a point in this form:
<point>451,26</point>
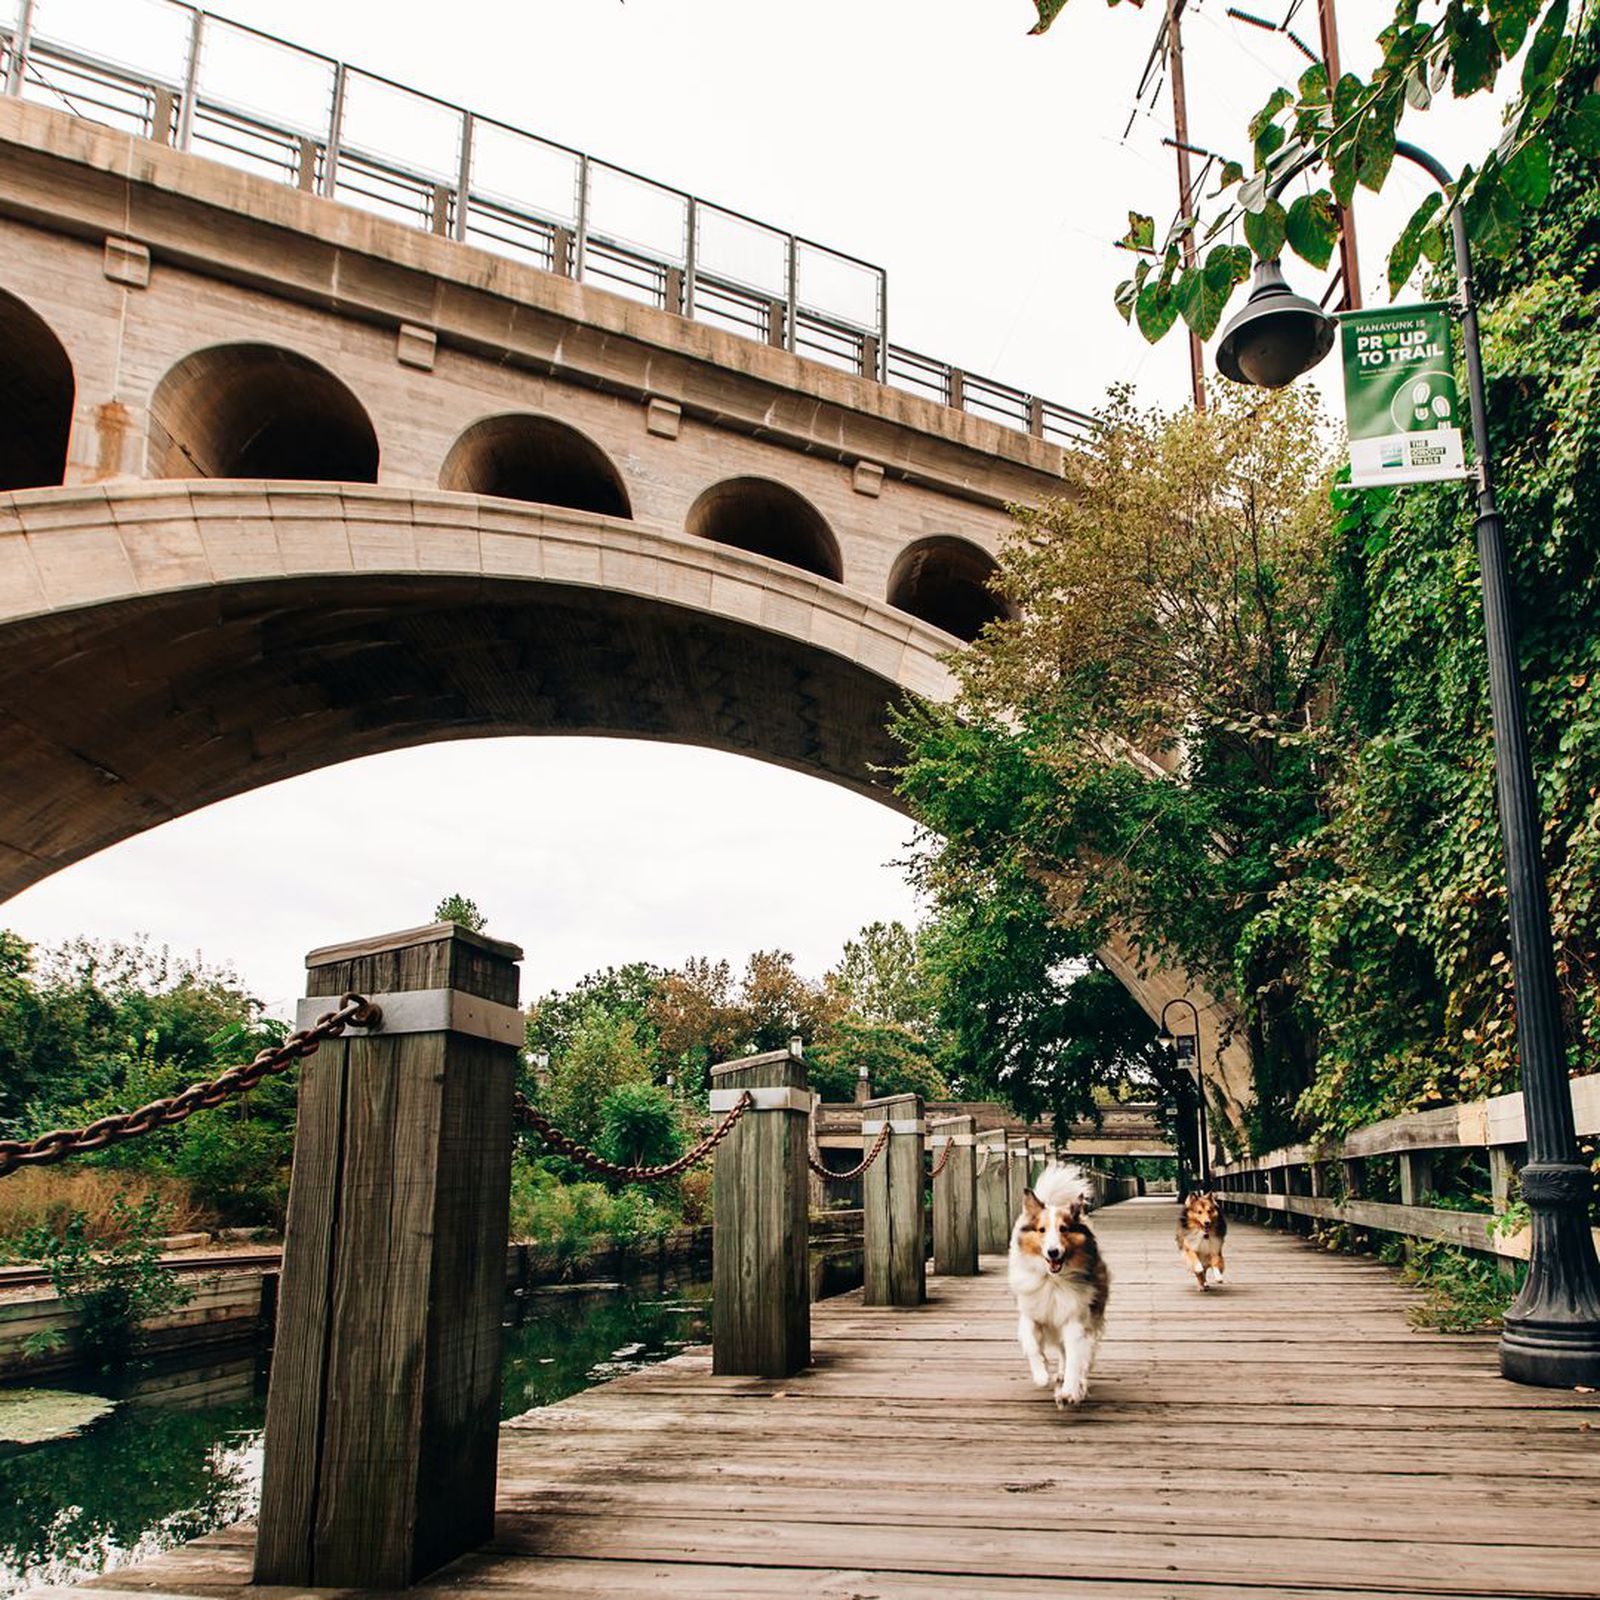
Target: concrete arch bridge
<point>290,482</point>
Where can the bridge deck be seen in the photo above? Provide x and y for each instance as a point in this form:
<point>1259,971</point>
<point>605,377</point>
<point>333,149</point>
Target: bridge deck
<point>1289,1435</point>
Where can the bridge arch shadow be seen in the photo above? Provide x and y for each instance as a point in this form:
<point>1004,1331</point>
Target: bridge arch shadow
<point>259,411</point>
<point>769,519</point>
<point>945,581</point>
<point>37,389</point>
<point>520,456</point>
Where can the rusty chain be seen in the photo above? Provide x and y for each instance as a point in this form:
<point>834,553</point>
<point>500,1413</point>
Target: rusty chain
<point>944,1159</point>
<point>586,1158</point>
<point>60,1143</point>
<point>855,1171</point>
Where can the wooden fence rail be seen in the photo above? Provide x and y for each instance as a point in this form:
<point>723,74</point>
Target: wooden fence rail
<point>1330,1181</point>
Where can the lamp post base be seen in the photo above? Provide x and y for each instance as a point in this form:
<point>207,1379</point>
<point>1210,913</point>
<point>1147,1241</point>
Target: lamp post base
<point>1551,1335</point>
<point>1552,1357</point>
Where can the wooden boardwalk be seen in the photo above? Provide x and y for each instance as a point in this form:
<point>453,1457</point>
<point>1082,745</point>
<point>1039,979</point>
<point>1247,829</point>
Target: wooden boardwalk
<point>1289,1435</point>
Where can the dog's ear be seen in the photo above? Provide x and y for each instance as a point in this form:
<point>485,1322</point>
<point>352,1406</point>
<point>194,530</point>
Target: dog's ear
<point>1032,1205</point>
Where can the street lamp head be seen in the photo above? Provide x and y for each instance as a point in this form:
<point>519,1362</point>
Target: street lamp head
<point>1277,336</point>
<point>1165,1038</point>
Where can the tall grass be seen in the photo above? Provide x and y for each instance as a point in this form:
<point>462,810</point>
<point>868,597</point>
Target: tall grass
<point>49,1197</point>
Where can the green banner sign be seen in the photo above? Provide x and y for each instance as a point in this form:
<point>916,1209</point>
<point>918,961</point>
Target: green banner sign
<point>1401,405</point>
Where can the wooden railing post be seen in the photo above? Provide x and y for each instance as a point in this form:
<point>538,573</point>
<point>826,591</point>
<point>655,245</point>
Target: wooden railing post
<point>761,1303</point>
<point>1038,1157</point>
<point>384,1408</point>
<point>893,1217</point>
<point>1501,1171</point>
<point>994,1220</point>
<point>955,1197</point>
<point>1016,1177</point>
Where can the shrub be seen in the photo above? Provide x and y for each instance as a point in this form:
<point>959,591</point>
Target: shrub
<point>115,1287</point>
<point>45,1200</point>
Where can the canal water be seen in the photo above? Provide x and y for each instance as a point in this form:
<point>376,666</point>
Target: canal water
<point>179,1454</point>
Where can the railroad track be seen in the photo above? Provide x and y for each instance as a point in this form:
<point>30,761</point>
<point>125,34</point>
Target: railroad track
<point>184,1266</point>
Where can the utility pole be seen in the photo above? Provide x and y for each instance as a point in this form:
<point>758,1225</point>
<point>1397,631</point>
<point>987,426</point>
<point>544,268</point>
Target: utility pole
<point>1180,130</point>
<point>1349,268</point>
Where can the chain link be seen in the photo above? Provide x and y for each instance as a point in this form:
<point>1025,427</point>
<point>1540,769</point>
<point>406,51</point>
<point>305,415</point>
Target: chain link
<point>60,1143</point>
<point>855,1171</point>
<point>943,1161</point>
<point>573,1151</point>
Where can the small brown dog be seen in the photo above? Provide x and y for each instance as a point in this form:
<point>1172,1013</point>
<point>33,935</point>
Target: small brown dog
<point>1202,1228</point>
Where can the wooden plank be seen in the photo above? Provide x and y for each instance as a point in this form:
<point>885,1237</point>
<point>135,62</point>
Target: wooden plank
<point>1287,1435</point>
<point>955,1199</point>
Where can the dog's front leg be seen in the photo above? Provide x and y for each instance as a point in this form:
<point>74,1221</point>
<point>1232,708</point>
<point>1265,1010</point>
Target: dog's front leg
<point>1028,1338</point>
<point>1078,1347</point>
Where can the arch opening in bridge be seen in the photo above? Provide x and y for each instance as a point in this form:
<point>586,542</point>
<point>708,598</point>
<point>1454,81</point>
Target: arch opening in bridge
<point>945,581</point>
<point>36,395</point>
<point>767,519</point>
<point>537,459</point>
<point>258,411</point>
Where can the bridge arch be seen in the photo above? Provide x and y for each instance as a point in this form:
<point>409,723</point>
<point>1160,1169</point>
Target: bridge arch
<point>945,581</point>
<point>524,456</point>
<point>37,389</point>
<point>769,519</point>
<point>259,411</point>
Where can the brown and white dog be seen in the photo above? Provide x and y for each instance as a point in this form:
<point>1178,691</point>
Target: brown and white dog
<point>1061,1283</point>
<point>1202,1229</point>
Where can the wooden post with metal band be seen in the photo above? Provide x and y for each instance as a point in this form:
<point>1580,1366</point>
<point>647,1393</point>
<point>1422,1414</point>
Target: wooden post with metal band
<point>1016,1177</point>
<point>1038,1157</point>
<point>383,1413</point>
<point>761,1301</point>
<point>955,1196</point>
<point>994,1215</point>
<point>893,1213</point>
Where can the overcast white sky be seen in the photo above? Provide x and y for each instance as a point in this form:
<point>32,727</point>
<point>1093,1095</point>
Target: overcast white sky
<point>987,172</point>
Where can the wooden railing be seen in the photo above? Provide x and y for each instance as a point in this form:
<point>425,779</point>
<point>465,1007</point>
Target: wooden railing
<point>1331,1182</point>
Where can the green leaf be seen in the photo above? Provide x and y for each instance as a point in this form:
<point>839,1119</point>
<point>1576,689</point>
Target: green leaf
<point>1203,292</point>
<point>1511,20</point>
<point>1582,126</point>
<point>1418,95</point>
<point>1312,228</point>
<point>1542,65</point>
<point>1252,195</point>
<point>1265,230</point>
<point>1124,296</point>
<point>1474,55</point>
<point>1375,145</point>
<point>1527,173</point>
<point>1048,10</point>
<point>1494,215</point>
<point>1433,245</point>
<point>1314,84</point>
<point>1141,234</point>
<point>1268,141</point>
<point>1403,258</point>
<point>1276,101</point>
<point>1157,309</point>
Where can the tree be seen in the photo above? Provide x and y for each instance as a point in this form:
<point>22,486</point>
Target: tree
<point>1137,749</point>
<point>896,1061</point>
<point>1350,128</point>
<point>460,910</point>
<point>604,1054</point>
<point>881,978</point>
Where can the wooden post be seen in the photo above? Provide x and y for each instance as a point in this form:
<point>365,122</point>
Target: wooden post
<point>955,1197</point>
<point>994,1220</point>
<point>1016,1177</point>
<point>384,1409</point>
<point>761,1304</point>
<point>893,1215</point>
<point>1038,1158</point>
<point>1416,1176</point>
<point>1501,1169</point>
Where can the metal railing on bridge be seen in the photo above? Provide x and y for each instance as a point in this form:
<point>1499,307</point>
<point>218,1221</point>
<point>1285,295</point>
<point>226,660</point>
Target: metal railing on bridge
<point>189,78</point>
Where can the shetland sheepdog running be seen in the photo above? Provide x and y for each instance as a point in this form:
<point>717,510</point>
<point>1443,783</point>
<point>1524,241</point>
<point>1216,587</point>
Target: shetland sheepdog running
<point>1202,1231</point>
<point>1061,1284</point>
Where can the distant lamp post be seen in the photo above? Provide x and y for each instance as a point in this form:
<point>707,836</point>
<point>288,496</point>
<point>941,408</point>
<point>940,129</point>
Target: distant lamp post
<point>541,1067</point>
<point>1552,1333</point>
<point>1185,1049</point>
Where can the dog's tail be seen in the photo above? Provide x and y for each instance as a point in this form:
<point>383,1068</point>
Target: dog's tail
<point>1064,1187</point>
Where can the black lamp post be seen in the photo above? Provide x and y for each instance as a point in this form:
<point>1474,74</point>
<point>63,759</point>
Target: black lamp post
<point>1190,1059</point>
<point>1552,1333</point>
